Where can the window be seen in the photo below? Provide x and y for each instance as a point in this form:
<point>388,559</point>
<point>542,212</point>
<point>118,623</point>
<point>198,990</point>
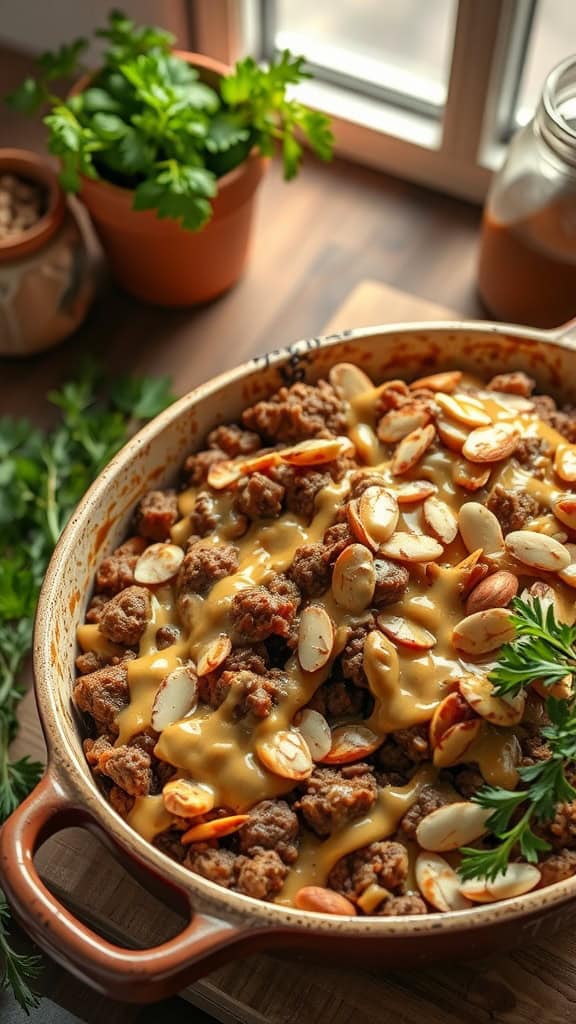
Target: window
<point>430,90</point>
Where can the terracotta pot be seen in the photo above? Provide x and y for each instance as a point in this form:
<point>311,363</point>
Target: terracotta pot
<point>223,924</point>
<point>157,260</point>
<point>47,280</point>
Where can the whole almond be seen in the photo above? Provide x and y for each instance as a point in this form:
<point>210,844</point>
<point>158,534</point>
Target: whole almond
<point>494,591</point>
<point>323,901</point>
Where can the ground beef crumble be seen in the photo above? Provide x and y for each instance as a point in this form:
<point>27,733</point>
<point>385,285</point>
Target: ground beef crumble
<point>297,413</point>
<point>116,572</point>
<point>258,612</point>
<point>102,694</point>
<point>273,825</point>
<point>259,497</point>
<point>124,618</point>
<point>155,514</point>
<point>203,565</point>
<point>513,509</point>
<point>381,863</point>
<point>334,798</point>
<point>429,799</point>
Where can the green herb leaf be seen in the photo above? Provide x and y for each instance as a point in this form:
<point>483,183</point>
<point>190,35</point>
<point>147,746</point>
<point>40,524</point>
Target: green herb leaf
<point>63,62</point>
<point>17,970</point>
<point>28,97</point>
<point>178,192</point>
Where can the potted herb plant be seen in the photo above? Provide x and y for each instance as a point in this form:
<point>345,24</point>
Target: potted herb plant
<point>167,149</point>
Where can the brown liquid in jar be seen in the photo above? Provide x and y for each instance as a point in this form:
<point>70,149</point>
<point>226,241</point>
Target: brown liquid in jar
<point>527,271</point>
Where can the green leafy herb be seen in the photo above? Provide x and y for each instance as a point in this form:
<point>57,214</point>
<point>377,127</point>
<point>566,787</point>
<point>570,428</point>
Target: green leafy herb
<point>42,478</point>
<point>146,121</point>
<point>542,650</point>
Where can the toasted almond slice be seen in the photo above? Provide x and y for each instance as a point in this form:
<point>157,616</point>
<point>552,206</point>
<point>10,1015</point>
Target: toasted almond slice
<point>413,491</point>
<point>537,551</point>
<point>440,519</point>
<point>479,693</point>
<point>515,881</point>
<point>260,462</point>
<point>213,655</point>
<point>470,571</point>
<point>366,443</point>
<point>349,380</point>
<point>315,638</point>
<point>565,462</point>
<point>378,512</point>
<point>565,510</point>
<point>562,690</point>
<point>323,901</point>
<point>516,403</point>
<point>317,451</point>
<point>222,475</point>
<point>354,578</point>
<point>316,732</point>
<point>455,742</point>
<point>215,829</point>
<point>286,754</point>
<point>176,697</point>
<point>406,633</point>
<point>463,410</point>
<point>491,444</point>
<point>449,712</point>
<point>439,883</point>
<point>411,449</point>
<point>397,423</point>
<point>187,799</point>
<point>452,434</point>
<point>372,897</point>
<point>479,528</point>
<point>158,564</point>
<point>411,547</point>
<point>470,476</point>
<point>446,381</point>
<point>568,575</point>
<point>351,742</point>
<point>483,632</point>
<point>495,591</point>
<point>452,826</point>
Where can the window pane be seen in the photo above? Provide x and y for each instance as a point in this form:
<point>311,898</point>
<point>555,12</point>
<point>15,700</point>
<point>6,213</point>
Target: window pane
<point>403,46</point>
<point>553,38</point>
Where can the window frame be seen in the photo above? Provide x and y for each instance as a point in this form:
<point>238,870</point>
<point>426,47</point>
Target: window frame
<point>455,152</point>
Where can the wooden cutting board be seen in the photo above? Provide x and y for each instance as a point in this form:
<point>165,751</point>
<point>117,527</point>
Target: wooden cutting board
<point>533,984</point>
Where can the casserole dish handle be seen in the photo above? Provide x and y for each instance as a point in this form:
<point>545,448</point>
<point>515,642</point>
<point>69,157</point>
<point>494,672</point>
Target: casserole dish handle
<point>133,975</point>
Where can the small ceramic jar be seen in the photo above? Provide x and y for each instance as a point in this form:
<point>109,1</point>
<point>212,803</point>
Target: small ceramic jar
<point>47,277</point>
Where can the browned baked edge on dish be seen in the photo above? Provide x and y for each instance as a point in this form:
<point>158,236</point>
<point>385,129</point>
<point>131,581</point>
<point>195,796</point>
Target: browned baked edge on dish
<point>284,667</point>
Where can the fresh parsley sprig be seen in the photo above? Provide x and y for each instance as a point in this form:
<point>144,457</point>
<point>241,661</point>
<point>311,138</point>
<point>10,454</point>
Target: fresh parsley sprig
<point>146,122</point>
<point>543,650</point>
<point>42,478</point>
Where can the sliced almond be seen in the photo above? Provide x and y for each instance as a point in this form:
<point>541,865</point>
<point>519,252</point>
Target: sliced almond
<point>286,754</point>
<point>187,799</point>
<point>397,423</point>
<point>483,632</point>
<point>452,710</point>
<point>413,491</point>
<point>452,826</point>
<point>406,633</point>
<point>568,575</point>
<point>491,444</point>
<point>537,551</point>
<point>378,512</point>
<point>352,742</point>
<point>479,528</point>
<point>446,380</point>
<point>261,462</point>
<point>213,654</point>
<point>495,591</point>
<point>479,693</point>
<point>455,742</point>
<point>354,578</point>
<point>565,462</point>
<point>440,519</point>
<point>469,475</point>
<point>316,732</point>
<point>514,881</point>
<point>470,571</point>
<point>318,451</point>
<point>323,901</point>
<point>464,410</point>
<point>215,829</point>
<point>411,449</point>
<point>516,403</point>
<point>176,697</point>
<point>439,883</point>
<point>452,434</point>
<point>349,380</point>
<point>411,547</point>
<point>158,564</point>
<point>565,510</point>
<point>366,443</point>
<point>315,638</point>
<point>222,475</point>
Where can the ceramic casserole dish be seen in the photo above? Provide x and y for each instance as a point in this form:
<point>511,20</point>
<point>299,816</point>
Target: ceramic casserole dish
<point>225,925</point>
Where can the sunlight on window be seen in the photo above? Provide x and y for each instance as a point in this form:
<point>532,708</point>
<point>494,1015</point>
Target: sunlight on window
<point>404,46</point>
<point>553,38</point>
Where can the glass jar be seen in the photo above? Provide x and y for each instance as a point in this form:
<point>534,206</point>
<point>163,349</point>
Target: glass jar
<point>527,271</point>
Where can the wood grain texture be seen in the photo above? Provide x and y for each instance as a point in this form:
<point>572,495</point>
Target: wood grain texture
<point>533,984</point>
